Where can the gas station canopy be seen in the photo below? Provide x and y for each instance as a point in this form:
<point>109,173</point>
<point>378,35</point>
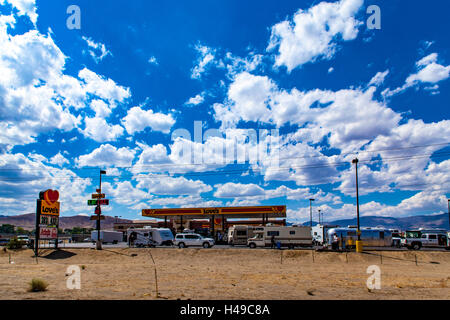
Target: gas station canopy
<point>225,212</point>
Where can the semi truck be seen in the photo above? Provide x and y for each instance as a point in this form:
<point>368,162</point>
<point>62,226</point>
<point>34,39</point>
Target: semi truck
<point>107,236</point>
<point>284,236</point>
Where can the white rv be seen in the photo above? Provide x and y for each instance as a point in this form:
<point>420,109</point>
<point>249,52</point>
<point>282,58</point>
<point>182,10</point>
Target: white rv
<point>238,235</point>
<point>320,234</point>
<point>145,237</point>
<point>286,236</point>
<point>107,236</point>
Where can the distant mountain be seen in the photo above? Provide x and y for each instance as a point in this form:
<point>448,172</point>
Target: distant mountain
<point>28,221</point>
<point>439,221</point>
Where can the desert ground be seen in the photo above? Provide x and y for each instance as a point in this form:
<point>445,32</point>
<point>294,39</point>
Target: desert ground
<point>265,274</point>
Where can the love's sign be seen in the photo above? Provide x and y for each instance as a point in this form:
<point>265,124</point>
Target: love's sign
<point>48,202</point>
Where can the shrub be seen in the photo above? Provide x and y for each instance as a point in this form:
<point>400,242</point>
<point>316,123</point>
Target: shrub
<point>37,285</point>
<point>15,243</point>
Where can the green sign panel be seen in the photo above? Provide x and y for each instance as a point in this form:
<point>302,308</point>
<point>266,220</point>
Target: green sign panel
<point>102,202</point>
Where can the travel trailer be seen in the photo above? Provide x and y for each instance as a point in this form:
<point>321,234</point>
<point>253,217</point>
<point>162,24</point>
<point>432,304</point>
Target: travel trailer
<point>238,235</point>
<point>371,237</point>
<point>286,236</point>
<point>144,237</point>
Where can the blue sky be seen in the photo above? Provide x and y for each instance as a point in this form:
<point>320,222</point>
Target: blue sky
<point>116,93</point>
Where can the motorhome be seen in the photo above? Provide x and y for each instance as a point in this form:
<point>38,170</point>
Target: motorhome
<point>432,238</point>
<point>286,237</point>
<point>370,237</point>
<point>239,234</point>
<point>148,236</point>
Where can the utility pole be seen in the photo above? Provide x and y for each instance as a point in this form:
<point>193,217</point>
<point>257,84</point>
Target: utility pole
<point>310,211</point>
<point>319,217</point>
<point>358,243</point>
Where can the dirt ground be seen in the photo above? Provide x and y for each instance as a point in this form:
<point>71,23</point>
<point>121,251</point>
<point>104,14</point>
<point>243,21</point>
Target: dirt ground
<point>225,274</point>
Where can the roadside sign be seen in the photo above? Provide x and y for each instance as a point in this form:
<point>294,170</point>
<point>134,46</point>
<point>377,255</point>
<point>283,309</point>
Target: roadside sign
<point>48,233</point>
<point>102,202</point>
<point>98,195</point>
<point>97,217</point>
<point>98,190</point>
<point>98,210</point>
<point>48,220</point>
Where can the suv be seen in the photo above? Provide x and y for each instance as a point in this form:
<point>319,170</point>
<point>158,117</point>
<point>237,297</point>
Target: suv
<point>417,239</point>
<point>183,240</point>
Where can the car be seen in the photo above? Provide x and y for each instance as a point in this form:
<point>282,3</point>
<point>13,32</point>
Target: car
<point>183,240</point>
<point>4,242</point>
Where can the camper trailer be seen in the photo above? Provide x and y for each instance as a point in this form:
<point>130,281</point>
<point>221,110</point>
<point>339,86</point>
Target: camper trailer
<point>238,235</point>
<point>371,237</point>
<point>145,237</point>
<point>107,236</point>
<point>286,236</point>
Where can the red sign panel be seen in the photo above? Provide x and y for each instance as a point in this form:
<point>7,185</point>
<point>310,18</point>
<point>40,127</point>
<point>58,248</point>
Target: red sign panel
<point>48,233</point>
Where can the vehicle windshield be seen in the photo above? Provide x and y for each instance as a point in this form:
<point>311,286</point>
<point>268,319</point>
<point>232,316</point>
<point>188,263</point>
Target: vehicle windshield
<point>412,234</point>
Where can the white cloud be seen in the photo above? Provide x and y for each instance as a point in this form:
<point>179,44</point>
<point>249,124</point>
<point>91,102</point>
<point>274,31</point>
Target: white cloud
<point>153,60</point>
<point>59,159</point>
<point>25,7</point>
<point>378,79</point>
<point>167,185</point>
<point>206,58</point>
<point>138,120</point>
<point>193,101</point>
<point>314,33</point>
<point>330,70</point>
<point>107,156</point>
<point>99,130</point>
<point>99,51</point>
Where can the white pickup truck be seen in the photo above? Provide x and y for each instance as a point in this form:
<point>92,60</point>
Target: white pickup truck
<point>422,238</point>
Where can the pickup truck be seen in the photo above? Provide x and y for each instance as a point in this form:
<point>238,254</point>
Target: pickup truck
<point>416,239</point>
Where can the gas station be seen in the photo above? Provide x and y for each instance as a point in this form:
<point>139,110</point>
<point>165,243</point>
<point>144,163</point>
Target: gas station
<point>217,218</point>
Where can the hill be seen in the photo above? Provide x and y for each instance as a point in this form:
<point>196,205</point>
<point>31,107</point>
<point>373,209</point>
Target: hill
<point>439,221</point>
<point>27,221</point>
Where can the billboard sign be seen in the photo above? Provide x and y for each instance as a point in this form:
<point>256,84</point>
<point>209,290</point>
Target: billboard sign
<point>46,233</point>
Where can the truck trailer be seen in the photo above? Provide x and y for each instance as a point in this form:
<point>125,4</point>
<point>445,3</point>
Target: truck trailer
<point>107,236</point>
<point>146,237</point>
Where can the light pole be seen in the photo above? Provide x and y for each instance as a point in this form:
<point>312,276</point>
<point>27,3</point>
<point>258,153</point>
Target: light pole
<point>99,210</point>
<point>448,203</point>
<point>358,243</point>
<point>310,211</point>
<point>319,217</point>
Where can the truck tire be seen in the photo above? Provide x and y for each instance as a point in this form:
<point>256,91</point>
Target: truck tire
<point>181,245</point>
<point>252,245</point>
<point>416,245</point>
<point>206,245</point>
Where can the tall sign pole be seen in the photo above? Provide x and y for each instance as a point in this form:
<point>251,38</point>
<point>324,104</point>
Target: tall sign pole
<point>358,243</point>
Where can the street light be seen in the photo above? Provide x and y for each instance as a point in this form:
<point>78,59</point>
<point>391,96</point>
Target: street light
<point>310,212</point>
<point>358,243</point>
<point>99,210</point>
<point>319,217</point>
<point>448,202</point>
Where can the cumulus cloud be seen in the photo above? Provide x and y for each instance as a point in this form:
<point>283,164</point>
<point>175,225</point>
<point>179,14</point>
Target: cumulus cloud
<point>138,120</point>
<point>25,7</point>
<point>167,185</point>
<point>314,33</point>
<point>193,101</point>
<point>378,79</point>
<point>99,130</point>
<point>107,156</point>
<point>58,159</point>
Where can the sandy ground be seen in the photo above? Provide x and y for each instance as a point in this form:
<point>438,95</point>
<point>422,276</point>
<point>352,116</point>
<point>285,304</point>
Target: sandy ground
<point>225,274</point>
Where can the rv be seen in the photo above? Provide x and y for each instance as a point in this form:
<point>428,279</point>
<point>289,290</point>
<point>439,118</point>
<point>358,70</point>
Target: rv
<point>238,235</point>
<point>286,236</point>
<point>148,236</point>
<point>371,237</point>
<point>107,236</point>
<point>432,238</point>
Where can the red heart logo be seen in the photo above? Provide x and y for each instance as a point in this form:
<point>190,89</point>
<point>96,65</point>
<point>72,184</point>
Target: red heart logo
<point>51,196</point>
